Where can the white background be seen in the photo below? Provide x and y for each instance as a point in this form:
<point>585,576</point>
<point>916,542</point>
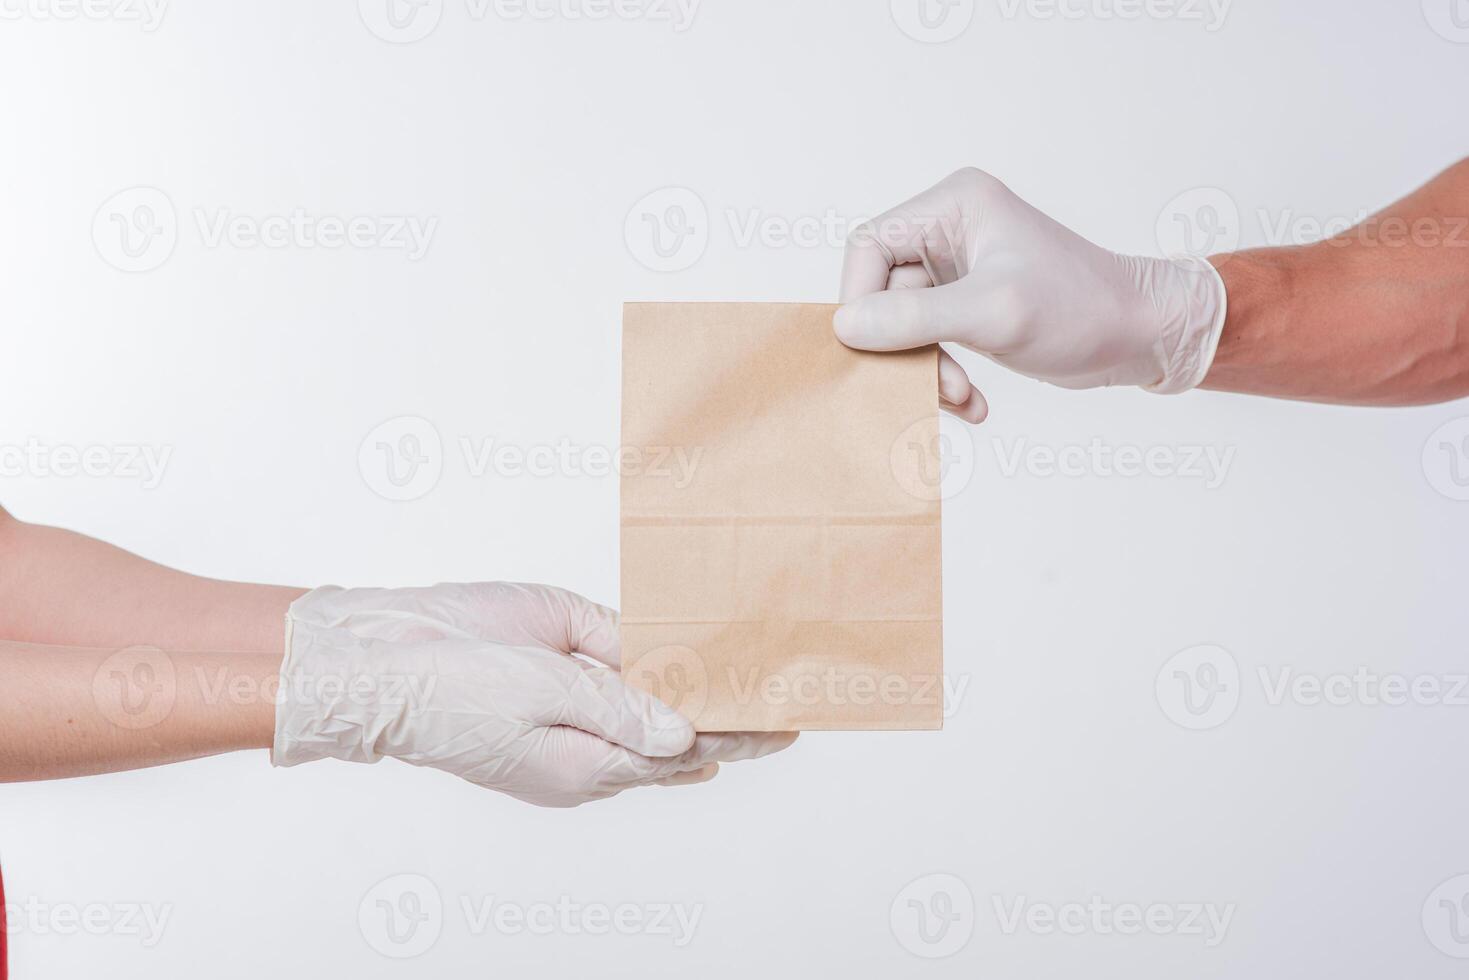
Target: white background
<point>1061,774</point>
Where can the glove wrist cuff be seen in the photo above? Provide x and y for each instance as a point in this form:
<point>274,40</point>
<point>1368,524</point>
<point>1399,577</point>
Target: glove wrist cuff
<point>313,716</point>
<point>1192,325</point>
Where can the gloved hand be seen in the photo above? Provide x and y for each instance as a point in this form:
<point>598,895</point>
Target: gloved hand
<point>1006,281</point>
<point>478,680</point>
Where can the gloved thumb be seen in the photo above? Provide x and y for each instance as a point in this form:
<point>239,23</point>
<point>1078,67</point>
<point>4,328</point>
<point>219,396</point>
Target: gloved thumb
<point>901,319</point>
<point>600,703</point>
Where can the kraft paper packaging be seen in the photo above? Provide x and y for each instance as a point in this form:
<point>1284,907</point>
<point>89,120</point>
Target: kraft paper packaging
<point>780,521</point>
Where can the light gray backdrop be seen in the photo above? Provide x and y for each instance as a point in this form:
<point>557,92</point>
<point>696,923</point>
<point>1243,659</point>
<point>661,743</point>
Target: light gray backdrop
<point>242,238</point>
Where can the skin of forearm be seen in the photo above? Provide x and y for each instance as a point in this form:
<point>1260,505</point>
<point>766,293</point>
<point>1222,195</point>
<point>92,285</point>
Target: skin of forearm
<point>113,662</point>
<point>65,589</point>
<point>1378,315</point>
<point>77,712</point>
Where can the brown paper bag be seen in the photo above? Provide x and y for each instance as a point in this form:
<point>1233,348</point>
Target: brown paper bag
<point>780,521</point>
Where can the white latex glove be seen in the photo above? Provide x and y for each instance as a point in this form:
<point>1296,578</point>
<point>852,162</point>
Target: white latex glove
<point>478,680</point>
<point>1006,281</point>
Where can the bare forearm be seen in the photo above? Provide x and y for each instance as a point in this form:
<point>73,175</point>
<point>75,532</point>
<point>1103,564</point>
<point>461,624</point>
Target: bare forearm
<point>100,654</point>
<point>76,712</point>
<point>65,589</point>
<point>1376,316</point>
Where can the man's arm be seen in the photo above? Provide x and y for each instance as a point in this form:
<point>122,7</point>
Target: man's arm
<point>1378,315</point>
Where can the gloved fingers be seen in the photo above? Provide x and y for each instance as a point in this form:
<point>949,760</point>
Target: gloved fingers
<point>594,632</point>
<point>572,767</point>
<point>562,766</point>
<point>700,775</point>
<point>908,242</point>
<point>715,747</point>
<point>974,411</point>
<point>522,614</point>
<point>954,386</point>
<point>739,746</point>
<point>925,230</point>
<point>909,275</point>
<point>901,319</point>
<point>598,702</point>
<point>866,265</point>
<point>576,766</point>
<point>957,395</point>
<point>569,622</point>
